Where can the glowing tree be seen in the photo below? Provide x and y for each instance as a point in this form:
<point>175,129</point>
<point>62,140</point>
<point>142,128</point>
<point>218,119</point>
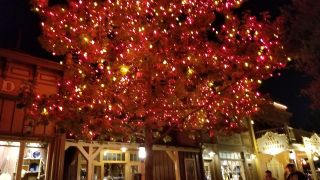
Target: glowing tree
<point>140,69</point>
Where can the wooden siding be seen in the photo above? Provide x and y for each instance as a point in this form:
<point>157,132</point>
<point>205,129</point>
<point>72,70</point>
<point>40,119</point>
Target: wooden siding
<point>198,164</point>
<point>15,70</point>
<point>13,121</point>
<point>163,166</point>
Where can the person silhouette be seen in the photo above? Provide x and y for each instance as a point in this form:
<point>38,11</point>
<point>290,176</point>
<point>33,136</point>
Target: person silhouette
<point>268,175</point>
<point>294,174</point>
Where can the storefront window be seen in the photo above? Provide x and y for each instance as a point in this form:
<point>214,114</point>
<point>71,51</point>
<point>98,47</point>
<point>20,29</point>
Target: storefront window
<point>83,167</point>
<point>9,155</point>
<point>232,166</point>
<point>207,170</point>
<point>34,161</point>
<point>97,172</point>
<point>114,171</point>
<point>134,157</point>
<point>110,156</point>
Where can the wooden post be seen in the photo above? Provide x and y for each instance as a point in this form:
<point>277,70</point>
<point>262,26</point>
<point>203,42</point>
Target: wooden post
<point>174,156</point>
<point>90,163</point>
<point>56,153</point>
<point>92,154</point>
<point>20,160</point>
<point>149,158</point>
<point>258,174</point>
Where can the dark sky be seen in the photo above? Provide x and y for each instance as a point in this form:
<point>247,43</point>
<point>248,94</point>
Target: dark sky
<point>19,30</point>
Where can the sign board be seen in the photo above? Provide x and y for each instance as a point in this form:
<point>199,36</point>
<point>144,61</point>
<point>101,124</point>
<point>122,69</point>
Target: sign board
<point>312,143</point>
<point>272,143</point>
<point>10,86</point>
<point>235,139</point>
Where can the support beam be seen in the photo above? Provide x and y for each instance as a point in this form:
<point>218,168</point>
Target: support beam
<point>90,163</point>
<point>83,151</point>
<point>20,161</point>
<point>174,156</point>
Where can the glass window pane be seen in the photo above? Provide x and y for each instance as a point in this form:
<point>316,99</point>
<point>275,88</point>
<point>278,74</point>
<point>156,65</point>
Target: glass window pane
<point>9,154</point>
<point>34,161</point>
<point>123,156</point>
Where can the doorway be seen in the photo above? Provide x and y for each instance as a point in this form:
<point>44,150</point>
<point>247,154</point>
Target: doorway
<point>114,171</point>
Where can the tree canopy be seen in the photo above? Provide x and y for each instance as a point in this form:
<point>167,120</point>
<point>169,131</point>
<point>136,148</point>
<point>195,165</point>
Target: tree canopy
<point>191,65</point>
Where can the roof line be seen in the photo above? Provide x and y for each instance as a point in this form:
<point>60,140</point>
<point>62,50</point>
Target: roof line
<point>28,59</point>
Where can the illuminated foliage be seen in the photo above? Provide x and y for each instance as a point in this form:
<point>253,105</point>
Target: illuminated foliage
<point>189,65</point>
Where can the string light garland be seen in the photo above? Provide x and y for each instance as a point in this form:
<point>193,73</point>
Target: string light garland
<point>188,64</point>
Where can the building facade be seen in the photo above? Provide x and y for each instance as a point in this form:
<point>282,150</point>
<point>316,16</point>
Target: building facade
<point>29,151</point>
<point>278,147</point>
<point>26,151</point>
<point>36,151</point>
<point>231,158</point>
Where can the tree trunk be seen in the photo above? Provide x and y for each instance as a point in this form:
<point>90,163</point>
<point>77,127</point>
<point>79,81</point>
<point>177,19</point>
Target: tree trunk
<point>149,158</point>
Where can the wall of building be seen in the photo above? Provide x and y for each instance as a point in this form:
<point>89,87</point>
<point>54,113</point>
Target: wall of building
<point>17,70</point>
<point>27,151</point>
<point>231,157</point>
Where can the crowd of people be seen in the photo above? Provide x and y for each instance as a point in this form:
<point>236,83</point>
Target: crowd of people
<point>291,173</point>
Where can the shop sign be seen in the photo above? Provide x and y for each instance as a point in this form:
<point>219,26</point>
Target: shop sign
<point>9,86</point>
<point>312,143</point>
<point>272,143</point>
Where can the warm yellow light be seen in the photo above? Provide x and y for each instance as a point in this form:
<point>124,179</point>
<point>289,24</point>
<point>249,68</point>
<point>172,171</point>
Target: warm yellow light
<point>44,111</point>
<point>105,152</point>
<point>124,69</point>
<point>190,71</point>
<point>86,39</point>
<point>124,149</point>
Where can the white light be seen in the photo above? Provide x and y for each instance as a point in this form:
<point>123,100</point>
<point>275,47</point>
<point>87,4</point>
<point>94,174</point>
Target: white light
<point>105,152</point>
<point>292,155</point>
<point>315,158</point>
<point>9,143</point>
<point>224,163</point>
<point>34,145</point>
<point>142,153</point>
<point>253,156</point>
<point>304,162</point>
<point>280,106</point>
<point>211,154</point>
<point>5,176</point>
<point>124,149</point>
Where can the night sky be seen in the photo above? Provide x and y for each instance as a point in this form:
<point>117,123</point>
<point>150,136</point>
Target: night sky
<point>19,30</point>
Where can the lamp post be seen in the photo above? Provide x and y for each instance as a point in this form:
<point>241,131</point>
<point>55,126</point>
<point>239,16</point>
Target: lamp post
<point>142,154</point>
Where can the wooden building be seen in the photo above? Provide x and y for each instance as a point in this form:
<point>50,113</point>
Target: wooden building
<point>279,144</point>
<point>231,157</point>
<point>26,151</point>
<point>278,147</point>
<point>29,151</point>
